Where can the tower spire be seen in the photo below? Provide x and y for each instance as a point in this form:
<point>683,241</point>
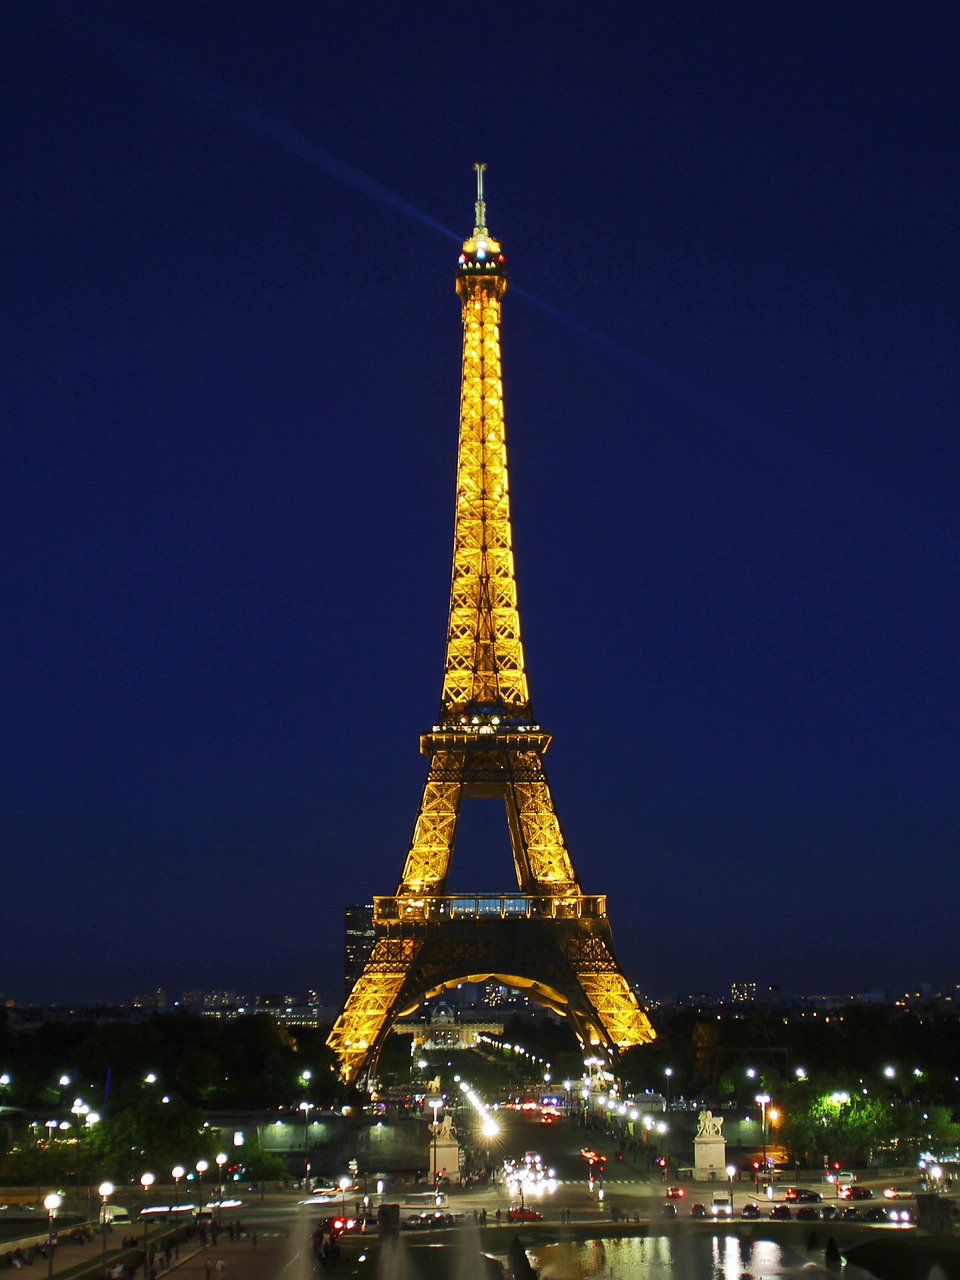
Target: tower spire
<point>480,208</point>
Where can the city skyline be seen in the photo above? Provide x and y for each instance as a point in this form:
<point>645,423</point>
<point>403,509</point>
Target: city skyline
<point>729,339</point>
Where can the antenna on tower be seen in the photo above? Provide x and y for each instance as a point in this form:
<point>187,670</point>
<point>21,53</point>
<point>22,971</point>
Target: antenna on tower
<point>480,208</point>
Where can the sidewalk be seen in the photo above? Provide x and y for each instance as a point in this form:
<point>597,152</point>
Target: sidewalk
<point>244,1260</point>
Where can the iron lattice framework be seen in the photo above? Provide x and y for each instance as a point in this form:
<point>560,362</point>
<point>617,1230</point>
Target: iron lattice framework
<point>550,939</point>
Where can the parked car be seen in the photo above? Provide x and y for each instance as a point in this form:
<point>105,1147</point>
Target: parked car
<point>523,1213</point>
<point>851,1214</point>
<point>808,1213</point>
<point>781,1212</point>
<point>698,1211</point>
<point>750,1210</point>
<point>668,1209</point>
<point>829,1212</point>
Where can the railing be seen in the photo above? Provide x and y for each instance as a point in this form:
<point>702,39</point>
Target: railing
<point>483,906</point>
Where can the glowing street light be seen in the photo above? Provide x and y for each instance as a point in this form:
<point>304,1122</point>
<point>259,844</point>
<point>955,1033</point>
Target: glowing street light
<point>762,1101</point>
<point>105,1191</point>
<point>51,1203</point>
<point>305,1108</point>
<point>435,1104</point>
<point>176,1173</point>
<point>146,1181</point>
<point>221,1158</point>
<point>201,1167</point>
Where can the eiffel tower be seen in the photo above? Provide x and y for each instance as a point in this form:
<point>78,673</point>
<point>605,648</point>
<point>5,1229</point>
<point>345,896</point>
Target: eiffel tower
<point>549,939</point>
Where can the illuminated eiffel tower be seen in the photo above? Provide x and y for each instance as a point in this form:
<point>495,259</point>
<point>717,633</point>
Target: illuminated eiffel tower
<point>550,940</point>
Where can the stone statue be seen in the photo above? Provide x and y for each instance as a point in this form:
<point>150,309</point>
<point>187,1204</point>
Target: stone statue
<point>708,1126</point>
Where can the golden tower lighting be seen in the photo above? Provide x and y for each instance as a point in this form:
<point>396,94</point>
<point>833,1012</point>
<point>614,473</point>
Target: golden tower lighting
<point>550,940</point>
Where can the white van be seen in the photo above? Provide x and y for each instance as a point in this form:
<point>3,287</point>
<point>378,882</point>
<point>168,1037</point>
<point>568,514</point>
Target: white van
<point>114,1215</point>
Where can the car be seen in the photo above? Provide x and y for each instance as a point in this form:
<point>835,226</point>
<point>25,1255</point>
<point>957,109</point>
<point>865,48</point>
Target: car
<point>851,1214</point>
<point>829,1212</point>
<point>523,1213</point>
<point>698,1211</point>
<point>855,1193</point>
<point>877,1213</point>
<point>781,1212</point>
<point>721,1207</point>
<point>675,1193</point>
<point>750,1210</point>
<point>898,1193</point>
<point>424,1221</point>
<point>668,1209</point>
<point>802,1195</point>
<point>808,1213</point>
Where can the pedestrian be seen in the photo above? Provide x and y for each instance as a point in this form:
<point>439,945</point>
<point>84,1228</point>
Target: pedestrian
<point>221,1268</point>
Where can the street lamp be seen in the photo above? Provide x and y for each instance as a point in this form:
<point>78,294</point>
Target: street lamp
<point>105,1191</point>
<point>731,1170</point>
<point>344,1183</point>
<point>201,1167</point>
<point>146,1181</point>
<point>221,1161</point>
<point>305,1108</point>
<point>436,1104</point>
<point>51,1203</point>
<point>762,1099</point>
<point>661,1130</point>
<point>176,1173</point>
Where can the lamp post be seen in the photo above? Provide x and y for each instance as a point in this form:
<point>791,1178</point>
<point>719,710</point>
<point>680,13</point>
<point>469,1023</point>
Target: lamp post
<point>51,1203</point>
<point>305,1108</point>
<point>344,1183</point>
<point>435,1104</point>
<point>201,1167</point>
<point>146,1181</point>
<point>79,1110</point>
<point>731,1170</point>
<point>176,1173</point>
<point>762,1100</point>
<point>106,1191</point>
<point>221,1161</point>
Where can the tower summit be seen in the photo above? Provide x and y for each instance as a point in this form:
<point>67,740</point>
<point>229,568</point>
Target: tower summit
<point>553,941</point>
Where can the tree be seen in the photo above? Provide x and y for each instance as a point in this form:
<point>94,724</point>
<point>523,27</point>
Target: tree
<point>263,1166</point>
<point>151,1135</point>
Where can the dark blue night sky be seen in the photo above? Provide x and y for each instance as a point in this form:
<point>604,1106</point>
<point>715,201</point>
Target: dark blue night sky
<point>230,373</point>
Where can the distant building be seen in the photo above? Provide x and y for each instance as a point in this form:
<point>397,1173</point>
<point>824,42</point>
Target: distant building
<point>743,992</point>
<point>358,939</point>
<point>218,1002</point>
